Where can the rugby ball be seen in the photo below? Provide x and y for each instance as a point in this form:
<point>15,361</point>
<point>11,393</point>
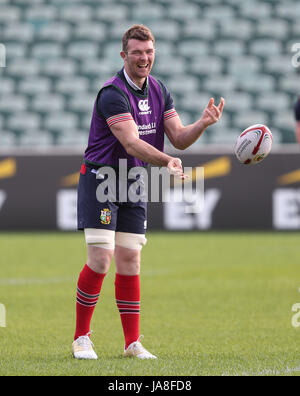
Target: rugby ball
<point>254,144</point>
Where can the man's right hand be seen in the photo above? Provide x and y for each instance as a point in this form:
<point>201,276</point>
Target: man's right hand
<point>175,168</point>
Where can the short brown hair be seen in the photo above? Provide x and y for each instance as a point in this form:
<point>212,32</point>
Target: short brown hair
<point>137,32</point>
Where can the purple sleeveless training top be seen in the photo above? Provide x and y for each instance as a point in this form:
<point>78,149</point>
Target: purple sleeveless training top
<point>147,112</point>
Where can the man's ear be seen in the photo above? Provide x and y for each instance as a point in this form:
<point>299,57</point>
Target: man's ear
<point>123,55</point>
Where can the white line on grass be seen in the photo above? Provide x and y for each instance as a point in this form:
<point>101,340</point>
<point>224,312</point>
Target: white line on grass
<point>33,281</point>
<point>273,372</point>
<point>44,281</point>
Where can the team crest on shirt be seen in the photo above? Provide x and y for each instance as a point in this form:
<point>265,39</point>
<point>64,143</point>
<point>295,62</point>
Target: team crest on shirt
<point>105,216</point>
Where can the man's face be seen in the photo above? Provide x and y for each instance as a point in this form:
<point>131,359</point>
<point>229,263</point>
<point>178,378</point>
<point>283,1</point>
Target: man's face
<point>138,59</point>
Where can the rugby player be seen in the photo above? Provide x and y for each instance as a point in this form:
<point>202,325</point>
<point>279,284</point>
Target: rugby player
<point>126,104</point>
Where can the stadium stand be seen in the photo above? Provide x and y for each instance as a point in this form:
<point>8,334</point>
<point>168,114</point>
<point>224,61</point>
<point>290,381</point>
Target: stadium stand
<point>59,52</point>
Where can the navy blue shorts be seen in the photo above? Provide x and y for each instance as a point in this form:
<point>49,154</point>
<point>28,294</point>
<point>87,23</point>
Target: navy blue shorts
<point>117,216</point>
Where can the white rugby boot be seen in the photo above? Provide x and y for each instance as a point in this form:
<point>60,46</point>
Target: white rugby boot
<point>137,350</point>
<point>82,348</point>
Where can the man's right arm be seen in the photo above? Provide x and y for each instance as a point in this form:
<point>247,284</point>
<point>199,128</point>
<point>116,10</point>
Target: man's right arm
<point>114,108</point>
<point>127,134</point>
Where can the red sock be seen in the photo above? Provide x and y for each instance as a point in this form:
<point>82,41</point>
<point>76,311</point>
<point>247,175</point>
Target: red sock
<point>88,290</point>
<point>128,302</point>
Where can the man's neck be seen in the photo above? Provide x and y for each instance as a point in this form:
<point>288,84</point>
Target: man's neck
<point>134,85</point>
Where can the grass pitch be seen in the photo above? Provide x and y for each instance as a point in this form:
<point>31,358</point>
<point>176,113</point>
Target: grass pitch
<point>212,304</point>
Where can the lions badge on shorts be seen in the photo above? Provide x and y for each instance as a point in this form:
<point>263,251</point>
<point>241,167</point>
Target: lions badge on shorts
<point>105,216</point>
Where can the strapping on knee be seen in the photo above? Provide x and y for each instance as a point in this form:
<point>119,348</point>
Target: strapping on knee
<point>130,241</point>
<point>104,239</point>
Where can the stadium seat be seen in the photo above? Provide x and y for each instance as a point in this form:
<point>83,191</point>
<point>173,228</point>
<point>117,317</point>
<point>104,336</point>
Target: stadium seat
<point>220,84</point>
<point>34,85</point>
<point>75,13</point>
<point>295,28</point>
<point>7,139</point>
<point>83,50</point>
<point>32,138</point>
<point>183,84</point>
<point>165,47</point>
<point>72,85</point>
<point>11,103</point>
<point>59,67</point>
<point>15,50</point>
<point>21,121</point>
<point>81,102</point>
<point>46,51</point>
<point>21,32</point>
<point>72,138</point>
<point>257,10</point>
<point>48,102</point>
<point>194,101</point>
<point>243,66</point>
<point>245,118</point>
<point>271,102</point>
<point>9,14</point>
<point>23,67</point>
<point>224,136</point>
<point>266,47</point>
<point>288,9</point>
<point>204,30</point>
<point>190,48</point>
<point>41,13</point>
<point>107,13</point>
<point>229,48</point>
<point>256,83</point>
<point>89,30</point>
<point>94,68</point>
<point>285,120</point>
<point>7,86</point>
<point>148,12</point>
<point>61,121</point>
<point>55,31</point>
<point>164,63</point>
<point>219,13</point>
<point>230,27</point>
<point>206,65</point>
<point>168,30</point>
<point>183,11</point>
<point>281,64</point>
<point>238,101</point>
<point>290,84</point>
<point>273,28</point>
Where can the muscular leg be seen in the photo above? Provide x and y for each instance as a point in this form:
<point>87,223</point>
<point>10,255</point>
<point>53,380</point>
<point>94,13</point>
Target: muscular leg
<point>92,276</point>
<point>99,259</point>
<point>127,283</point>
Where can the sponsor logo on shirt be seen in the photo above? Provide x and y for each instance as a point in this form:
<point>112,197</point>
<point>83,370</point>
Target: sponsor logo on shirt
<point>144,107</point>
<point>147,129</point>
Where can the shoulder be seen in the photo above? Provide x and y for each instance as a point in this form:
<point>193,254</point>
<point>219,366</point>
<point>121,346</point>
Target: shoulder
<point>169,103</point>
<point>111,101</point>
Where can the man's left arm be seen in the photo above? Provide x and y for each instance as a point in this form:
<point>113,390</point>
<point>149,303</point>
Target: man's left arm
<point>182,136</point>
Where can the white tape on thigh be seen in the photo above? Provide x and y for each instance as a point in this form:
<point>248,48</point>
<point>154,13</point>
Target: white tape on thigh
<point>130,241</point>
<point>100,238</point>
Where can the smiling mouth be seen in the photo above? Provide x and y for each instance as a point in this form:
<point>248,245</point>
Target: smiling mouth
<point>143,66</point>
